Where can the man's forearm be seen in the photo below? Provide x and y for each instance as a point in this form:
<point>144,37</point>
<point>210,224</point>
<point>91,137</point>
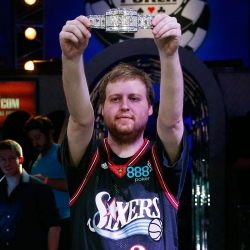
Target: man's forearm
<point>59,184</point>
<point>172,89</point>
<point>53,238</point>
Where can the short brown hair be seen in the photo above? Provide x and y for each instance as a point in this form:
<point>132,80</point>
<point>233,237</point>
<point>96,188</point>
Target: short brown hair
<point>13,145</point>
<point>124,71</point>
<point>42,123</point>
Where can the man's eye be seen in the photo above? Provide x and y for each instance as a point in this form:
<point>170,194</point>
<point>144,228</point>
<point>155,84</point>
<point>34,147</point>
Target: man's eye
<point>115,99</point>
<point>134,99</point>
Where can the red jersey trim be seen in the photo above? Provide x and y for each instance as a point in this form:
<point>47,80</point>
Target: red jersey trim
<point>160,176</point>
<point>89,172</point>
<point>137,156</point>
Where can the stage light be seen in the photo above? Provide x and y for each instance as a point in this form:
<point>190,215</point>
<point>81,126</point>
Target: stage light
<point>29,66</point>
<point>28,20</point>
<point>30,2</point>
<point>44,66</point>
<point>30,33</point>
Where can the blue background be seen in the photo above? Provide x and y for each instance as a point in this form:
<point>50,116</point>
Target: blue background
<point>227,37</point>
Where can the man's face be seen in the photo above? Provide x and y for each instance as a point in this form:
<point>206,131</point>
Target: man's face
<point>10,162</point>
<point>126,109</point>
<point>38,140</point>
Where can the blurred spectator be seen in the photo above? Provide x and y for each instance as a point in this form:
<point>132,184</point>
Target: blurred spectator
<point>28,212</point>
<point>47,167</point>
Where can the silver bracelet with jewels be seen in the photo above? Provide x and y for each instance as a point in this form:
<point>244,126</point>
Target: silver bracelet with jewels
<point>121,20</point>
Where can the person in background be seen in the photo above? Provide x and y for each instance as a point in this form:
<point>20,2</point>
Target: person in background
<point>124,190</point>
<point>47,167</point>
<point>29,216</point>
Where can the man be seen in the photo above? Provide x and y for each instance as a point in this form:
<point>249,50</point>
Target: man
<point>28,212</point>
<point>124,189</point>
<point>47,167</point>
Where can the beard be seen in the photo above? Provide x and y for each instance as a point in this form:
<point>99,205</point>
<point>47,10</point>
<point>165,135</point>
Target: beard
<point>39,148</point>
<point>42,148</point>
<point>126,132</point>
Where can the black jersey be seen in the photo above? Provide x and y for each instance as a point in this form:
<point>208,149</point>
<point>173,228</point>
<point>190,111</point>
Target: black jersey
<point>125,204</point>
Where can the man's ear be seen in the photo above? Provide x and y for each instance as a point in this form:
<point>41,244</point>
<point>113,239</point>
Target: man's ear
<point>51,132</point>
<point>150,110</point>
<point>21,159</point>
<point>102,109</point>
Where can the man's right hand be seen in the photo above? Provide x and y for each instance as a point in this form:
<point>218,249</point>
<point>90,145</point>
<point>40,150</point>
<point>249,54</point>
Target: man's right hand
<point>74,37</point>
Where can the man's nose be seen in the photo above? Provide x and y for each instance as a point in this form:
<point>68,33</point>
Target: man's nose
<point>124,104</point>
<point>7,162</point>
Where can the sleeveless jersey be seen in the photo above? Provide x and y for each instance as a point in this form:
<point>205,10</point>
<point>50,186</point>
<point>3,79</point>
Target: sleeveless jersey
<point>125,204</point>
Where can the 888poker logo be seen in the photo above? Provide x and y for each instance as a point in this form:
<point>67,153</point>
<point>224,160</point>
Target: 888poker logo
<point>193,15</point>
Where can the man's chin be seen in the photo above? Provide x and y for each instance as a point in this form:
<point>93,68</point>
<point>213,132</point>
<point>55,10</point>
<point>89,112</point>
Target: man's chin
<point>39,150</point>
<point>125,131</point>
<point>126,135</point>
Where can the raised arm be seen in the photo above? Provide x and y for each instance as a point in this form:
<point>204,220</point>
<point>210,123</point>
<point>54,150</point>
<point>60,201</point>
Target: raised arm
<point>74,39</point>
<point>167,35</point>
